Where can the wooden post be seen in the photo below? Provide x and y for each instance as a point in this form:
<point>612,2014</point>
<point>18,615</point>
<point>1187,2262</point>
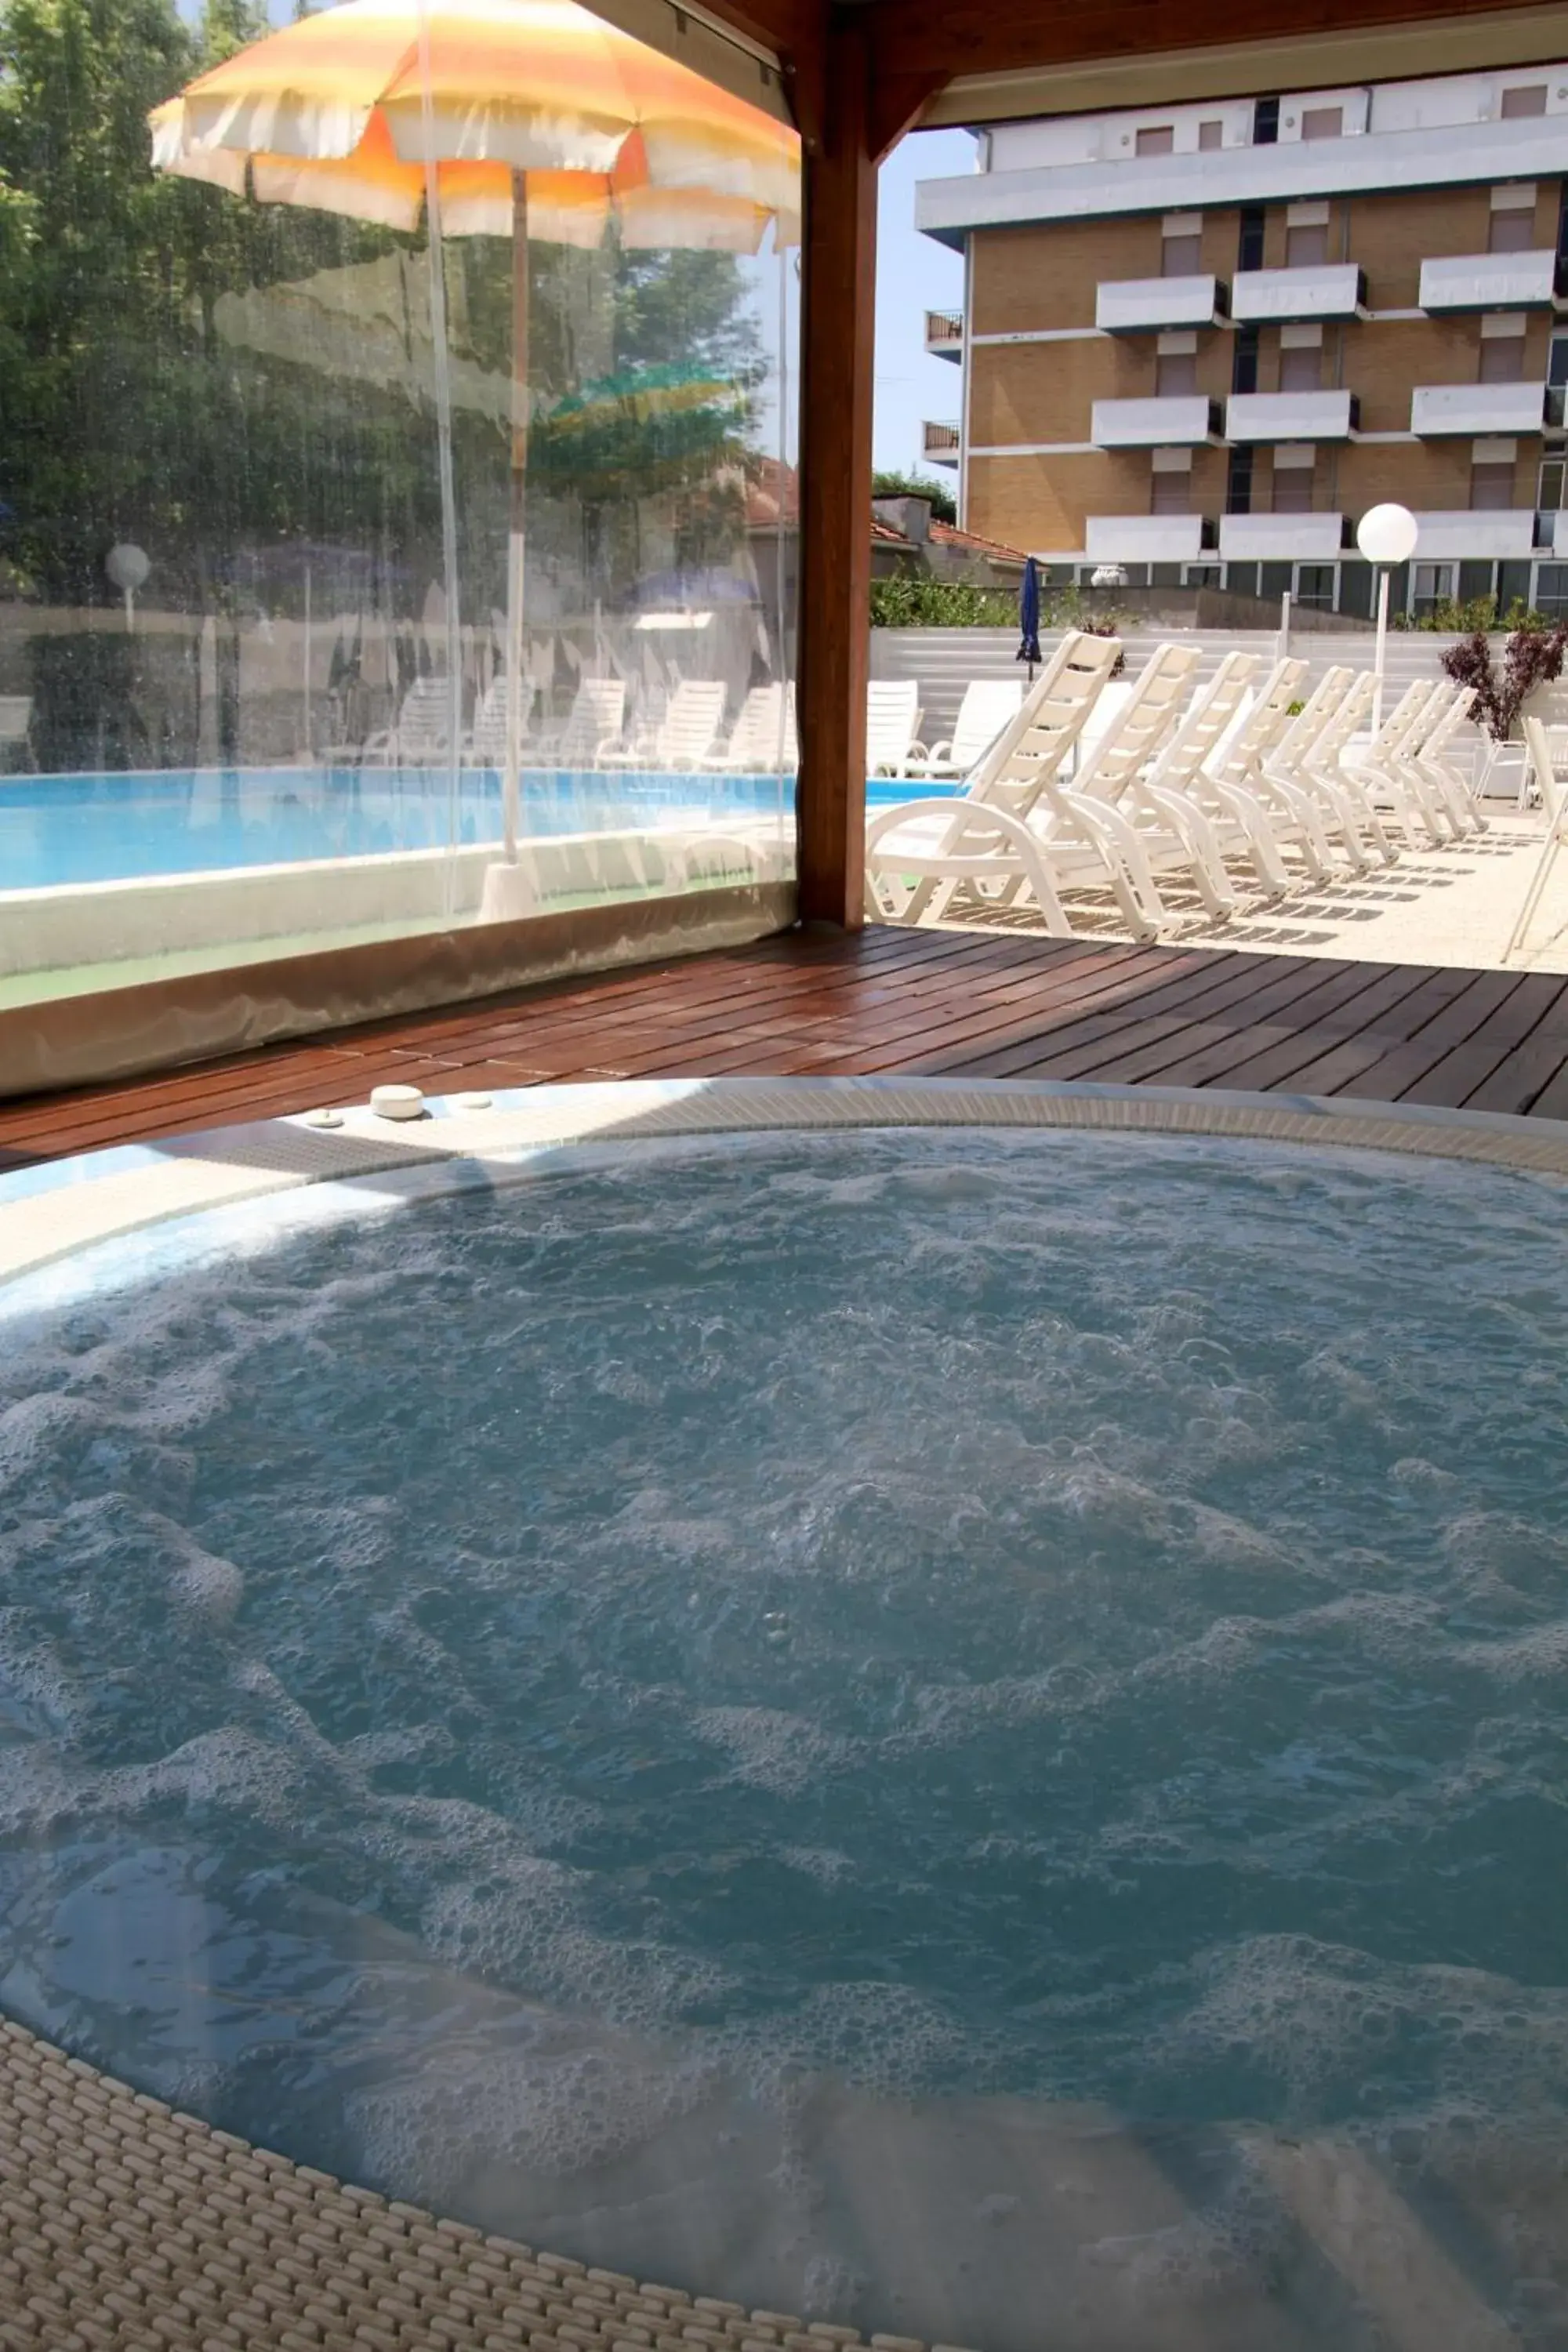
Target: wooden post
<point>837,362</point>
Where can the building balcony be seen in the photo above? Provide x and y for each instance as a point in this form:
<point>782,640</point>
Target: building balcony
<point>1260,296</point>
<point>1145,539</point>
<point>1281,538</point>
<point>1178,421</point>
<point>1291,416</point>
<point>944,335</point>
<point>1476,409</point>
<point>939,442</point>
<point>1490,281</point>
<point>1143,306</point>
<point>1481,536</point>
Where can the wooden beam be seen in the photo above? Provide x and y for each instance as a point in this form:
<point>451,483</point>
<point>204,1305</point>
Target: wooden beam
<point>837,362</point>
<point>943,39</point>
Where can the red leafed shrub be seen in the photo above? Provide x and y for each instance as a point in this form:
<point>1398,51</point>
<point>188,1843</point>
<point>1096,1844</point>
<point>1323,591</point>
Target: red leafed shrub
<point>1531,658</point>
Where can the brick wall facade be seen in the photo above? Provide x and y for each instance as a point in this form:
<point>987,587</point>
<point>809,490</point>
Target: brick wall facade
<point>1027,280</point>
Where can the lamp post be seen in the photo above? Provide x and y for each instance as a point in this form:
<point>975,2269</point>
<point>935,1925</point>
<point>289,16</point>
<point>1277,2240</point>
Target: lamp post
<point>128,567</point>
<point>1386,535</point>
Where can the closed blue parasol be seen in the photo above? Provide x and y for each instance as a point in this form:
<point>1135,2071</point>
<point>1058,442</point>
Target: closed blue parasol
<point>1029,616</point>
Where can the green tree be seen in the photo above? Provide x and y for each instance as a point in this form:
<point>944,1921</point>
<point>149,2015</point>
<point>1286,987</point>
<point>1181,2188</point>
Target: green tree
<point>125,413</point>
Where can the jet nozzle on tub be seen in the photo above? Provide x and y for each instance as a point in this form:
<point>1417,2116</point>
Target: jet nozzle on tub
<point>398,1102</point>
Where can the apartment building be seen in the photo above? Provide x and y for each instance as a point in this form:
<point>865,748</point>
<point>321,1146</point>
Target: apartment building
<point>1199,343</point>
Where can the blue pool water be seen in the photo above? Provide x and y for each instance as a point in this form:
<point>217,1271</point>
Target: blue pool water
<point>784,1706</point>
<point>58,830</point>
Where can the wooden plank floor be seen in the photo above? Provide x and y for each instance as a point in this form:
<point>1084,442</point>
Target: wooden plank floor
<point>904,1000</point>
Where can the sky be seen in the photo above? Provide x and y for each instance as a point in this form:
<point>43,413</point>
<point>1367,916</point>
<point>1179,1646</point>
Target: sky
<point>914,274</point>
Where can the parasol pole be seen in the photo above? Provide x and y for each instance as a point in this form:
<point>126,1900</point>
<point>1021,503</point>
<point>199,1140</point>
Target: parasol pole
<point>514,713</point>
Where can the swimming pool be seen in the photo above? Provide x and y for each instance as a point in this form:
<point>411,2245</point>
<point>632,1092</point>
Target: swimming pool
<point>66,830</point>
<point>894,1718</point>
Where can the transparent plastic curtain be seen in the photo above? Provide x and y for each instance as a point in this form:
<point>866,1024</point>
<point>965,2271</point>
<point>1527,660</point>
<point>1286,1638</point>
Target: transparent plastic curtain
<point>258,632</point>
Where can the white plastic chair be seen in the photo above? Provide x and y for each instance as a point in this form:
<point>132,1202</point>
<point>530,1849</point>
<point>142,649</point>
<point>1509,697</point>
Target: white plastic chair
<point>593,728</point>
<point>685,735</point>
<point>987,706</point>
<point>920,854</point>
<point>1547,765</point>
<point>1384,772</point>
<point>892,724</point>
<point>423,731</point>
<point>1302,774</point>
<point>763,739</point>
<point>16,725</point>
<point>1237,824</point>
<point>1171,834</point>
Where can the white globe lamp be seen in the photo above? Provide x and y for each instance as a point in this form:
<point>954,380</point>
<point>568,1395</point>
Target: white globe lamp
<point>128,567</point>
<point>1387,536</point>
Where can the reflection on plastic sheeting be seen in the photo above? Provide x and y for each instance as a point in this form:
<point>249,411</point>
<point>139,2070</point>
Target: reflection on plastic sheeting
<point>311,684</point>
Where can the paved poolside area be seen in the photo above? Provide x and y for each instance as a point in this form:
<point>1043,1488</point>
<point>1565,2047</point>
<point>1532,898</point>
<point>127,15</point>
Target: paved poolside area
<point>1450,906</point>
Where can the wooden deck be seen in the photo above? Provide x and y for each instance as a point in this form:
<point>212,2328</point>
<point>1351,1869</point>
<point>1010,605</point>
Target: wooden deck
<point>906,1000</point>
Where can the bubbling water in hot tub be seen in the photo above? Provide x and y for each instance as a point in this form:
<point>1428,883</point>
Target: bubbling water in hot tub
<point>924,1726</point>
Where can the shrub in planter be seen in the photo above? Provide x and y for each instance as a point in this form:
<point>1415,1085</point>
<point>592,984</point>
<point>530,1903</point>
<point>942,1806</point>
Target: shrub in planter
<point>1533,656</point>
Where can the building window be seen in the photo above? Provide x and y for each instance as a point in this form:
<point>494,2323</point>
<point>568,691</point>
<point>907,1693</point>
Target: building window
<point>1550,490</point>
<point>1432,585</point>
<point>1171,494</point>
<point>1210,136</point>
<point>1307,245</point>
<point>1491,486</point>
<point>1175,374</point>
<point>1157,140</point>
<point>1293,473</point>
<point>1301,368</point>
<point>1250,248</point>
<point>1266,122</point>
<point>1550,596</point>
<point>1502,357</point>
<point>1239,483</point>
<point>1512,232</point>
<point>1315,585</point>
<point>1524,98</point>
<point>1323,121</point>
<point>1244,361</point>
<point>1181,257</point>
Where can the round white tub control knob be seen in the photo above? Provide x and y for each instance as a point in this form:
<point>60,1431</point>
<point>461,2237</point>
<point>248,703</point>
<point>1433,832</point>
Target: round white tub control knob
<point>398,1102</point>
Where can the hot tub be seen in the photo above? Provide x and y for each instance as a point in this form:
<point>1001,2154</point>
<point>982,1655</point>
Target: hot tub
<point>935,1706</point>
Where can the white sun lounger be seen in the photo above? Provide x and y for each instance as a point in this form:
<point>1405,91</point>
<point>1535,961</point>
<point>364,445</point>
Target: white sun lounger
<point>592,728</point>
<point>1549,770</point>
<point>685,735</point>
<point>1172,834</point>
<point>988,705</point>
<point>892,724</point>
<point>921,853</point>
<point>763,739</point>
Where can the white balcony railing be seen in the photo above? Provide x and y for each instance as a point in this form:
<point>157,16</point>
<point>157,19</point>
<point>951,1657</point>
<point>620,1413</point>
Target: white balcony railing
<point>1290,416</point>
<point>1141,306</point>
<point>1484,536</point>
<point>944,335</point>
<point>1337,290</point>
<point>939,442</point>
<point>1489,281</point>
<point>1479,408</point>
<point>1280,537</point>
<point>1143,538</point>
<point>1178,421</point>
